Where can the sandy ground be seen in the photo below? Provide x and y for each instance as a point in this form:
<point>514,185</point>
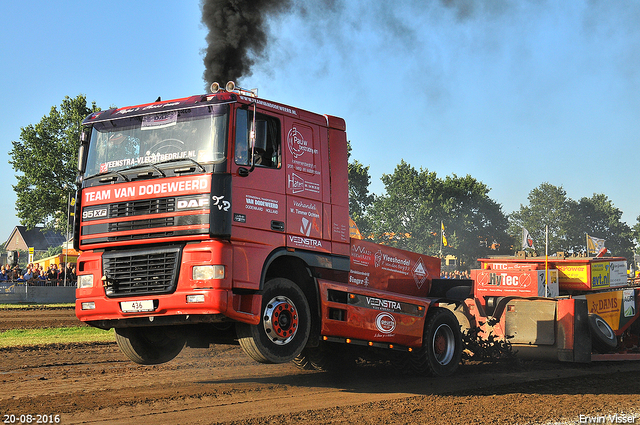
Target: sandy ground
<point>95,383</point>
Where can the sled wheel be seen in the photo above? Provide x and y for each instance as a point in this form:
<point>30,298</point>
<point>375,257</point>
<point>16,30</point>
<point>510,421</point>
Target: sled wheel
<point>603,339</point>
<point>441,346</point>
<point>150,345</point>
<point>284,327</point>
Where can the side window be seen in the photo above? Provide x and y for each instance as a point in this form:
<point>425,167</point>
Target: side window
<point>267,150</point>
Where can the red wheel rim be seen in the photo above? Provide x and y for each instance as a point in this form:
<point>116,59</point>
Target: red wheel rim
<point>280,320</point>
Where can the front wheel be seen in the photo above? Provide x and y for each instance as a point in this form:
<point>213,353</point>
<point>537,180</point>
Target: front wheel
<point>441,346</point>
<point>150,345</point>
<point>284,327</point>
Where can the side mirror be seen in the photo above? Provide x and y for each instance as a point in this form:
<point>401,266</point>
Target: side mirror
<point>82,163</point>
<point>83,150</point>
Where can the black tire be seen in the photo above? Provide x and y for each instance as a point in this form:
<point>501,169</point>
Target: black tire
<point>402,363</point>
<point>326,357</point>
<point>603,338</point>
<point>284,326</point>
<point>150,345</point>
<point>302,361</point>
<point>441,350</point>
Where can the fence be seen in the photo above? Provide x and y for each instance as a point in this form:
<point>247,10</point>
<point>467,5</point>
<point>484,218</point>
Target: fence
<point>21,292</point>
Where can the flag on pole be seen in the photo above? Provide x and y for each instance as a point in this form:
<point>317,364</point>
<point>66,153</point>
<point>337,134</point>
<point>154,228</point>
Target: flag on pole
<point>354,232</point>
<point>527,240</point>
<point>594,245</point>
<point>444,235</point>
<point>72,207</point>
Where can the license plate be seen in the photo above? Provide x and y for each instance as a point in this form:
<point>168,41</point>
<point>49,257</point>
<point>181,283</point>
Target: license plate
<point>136,306</point>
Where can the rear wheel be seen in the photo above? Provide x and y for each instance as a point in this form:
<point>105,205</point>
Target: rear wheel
<point>441,346</point>
<point>284,326</point>
<point>150,345</point>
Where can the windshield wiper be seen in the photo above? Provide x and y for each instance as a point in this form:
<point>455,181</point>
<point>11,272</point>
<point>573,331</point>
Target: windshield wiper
<point>204,170</point>
<point>109,176</point>
<point>146,165</point>
<point>113,175</point>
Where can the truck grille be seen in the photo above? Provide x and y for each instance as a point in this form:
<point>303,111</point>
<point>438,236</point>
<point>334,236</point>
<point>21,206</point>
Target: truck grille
<point>153,271</point>
<point>150,223</point>
<point>143,207</point>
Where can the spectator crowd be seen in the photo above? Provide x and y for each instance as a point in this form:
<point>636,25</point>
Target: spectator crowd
<point>456,274</point>
<point>55,275</point>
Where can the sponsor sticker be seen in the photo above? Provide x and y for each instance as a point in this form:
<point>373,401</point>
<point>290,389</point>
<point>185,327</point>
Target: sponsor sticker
<point>258,203</point>
<point>385,323</point>
<point>628,303</point>
<point>420,273</point>
<point>382,304</point>
<point>159,120</point>
<point>600,277</point>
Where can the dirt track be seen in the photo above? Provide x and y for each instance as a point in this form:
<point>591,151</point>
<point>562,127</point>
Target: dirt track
<point>95,383</point>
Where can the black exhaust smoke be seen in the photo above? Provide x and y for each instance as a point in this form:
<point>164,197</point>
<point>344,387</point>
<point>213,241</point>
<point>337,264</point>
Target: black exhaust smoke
<point>237,36</point>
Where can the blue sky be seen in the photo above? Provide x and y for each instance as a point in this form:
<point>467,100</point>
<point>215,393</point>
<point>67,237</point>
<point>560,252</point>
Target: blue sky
<point>512,93</point>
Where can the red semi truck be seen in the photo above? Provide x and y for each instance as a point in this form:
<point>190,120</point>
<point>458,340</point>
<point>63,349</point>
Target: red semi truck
<point>224,218</point>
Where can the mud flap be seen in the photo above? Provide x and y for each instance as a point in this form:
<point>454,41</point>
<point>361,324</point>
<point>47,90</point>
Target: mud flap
<point>220,206</point>
<point>574,335</point>
<point>582,333</point>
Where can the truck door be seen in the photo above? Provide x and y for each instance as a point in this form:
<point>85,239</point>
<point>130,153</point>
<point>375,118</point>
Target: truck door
<point>259,197</point>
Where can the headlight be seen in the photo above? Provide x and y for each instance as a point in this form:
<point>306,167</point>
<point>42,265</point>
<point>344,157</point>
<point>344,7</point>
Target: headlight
<point>85,281</point>
<point>208,272</point>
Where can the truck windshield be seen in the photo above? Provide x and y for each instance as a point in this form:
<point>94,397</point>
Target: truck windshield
<point>198,134</point>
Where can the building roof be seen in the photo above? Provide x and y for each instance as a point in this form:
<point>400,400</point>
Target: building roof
<point>38,238</point>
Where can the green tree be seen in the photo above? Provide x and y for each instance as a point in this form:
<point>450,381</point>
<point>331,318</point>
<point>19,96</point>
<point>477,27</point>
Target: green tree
<point>407,215</point>
<point>45,159</point>
<point>597,216</point>
<point>476,223</point>
<point>52,250</point>
<point>636,235</point>
<point>548,206</point>
<point>569,222</point>
<point>359,197</point>
<point>410,213</point>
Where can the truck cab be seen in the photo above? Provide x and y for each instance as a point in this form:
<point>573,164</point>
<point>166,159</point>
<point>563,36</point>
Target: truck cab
<point>225,217</point>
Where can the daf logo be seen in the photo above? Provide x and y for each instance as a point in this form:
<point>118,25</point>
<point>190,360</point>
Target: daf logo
<point>193,203</point>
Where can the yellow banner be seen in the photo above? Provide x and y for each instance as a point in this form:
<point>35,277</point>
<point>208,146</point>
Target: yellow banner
<point>573,274</point>
<point>608,305</point>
